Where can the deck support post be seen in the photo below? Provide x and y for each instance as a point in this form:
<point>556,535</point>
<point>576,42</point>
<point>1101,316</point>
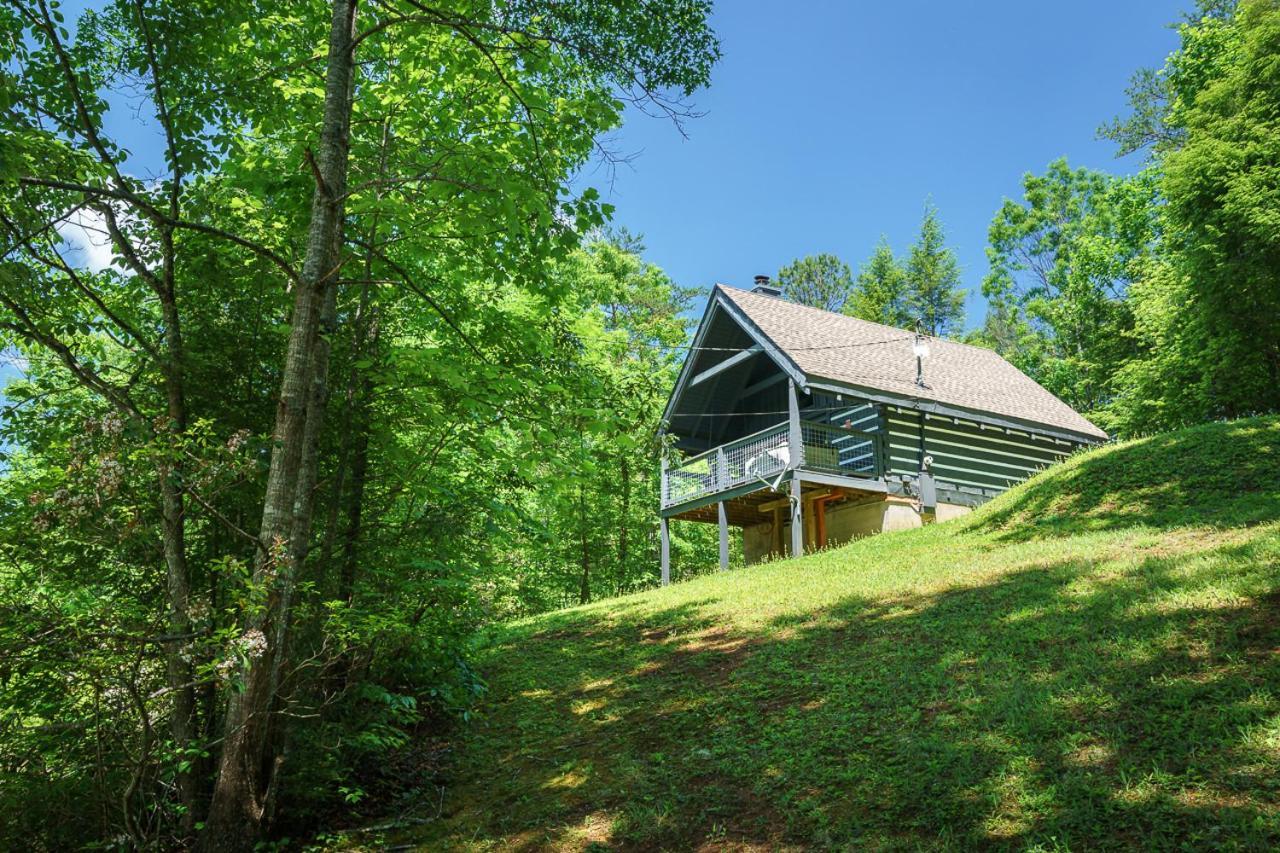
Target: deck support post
<point>795,438</point>
<point>724,536</point>
<point>797,518</point>
<point>665,535</point>
<point>820,522</point>
<point>795,442</point>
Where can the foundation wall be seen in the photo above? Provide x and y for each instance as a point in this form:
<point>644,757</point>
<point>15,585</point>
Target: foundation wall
<point>757,542</point>
<point>946,512</point>
<point>846,522</point>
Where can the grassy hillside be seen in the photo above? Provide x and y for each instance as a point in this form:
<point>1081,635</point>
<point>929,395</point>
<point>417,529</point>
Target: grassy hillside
<point>1093,660</point>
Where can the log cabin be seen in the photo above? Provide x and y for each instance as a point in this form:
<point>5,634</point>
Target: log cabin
<point>804,428</point>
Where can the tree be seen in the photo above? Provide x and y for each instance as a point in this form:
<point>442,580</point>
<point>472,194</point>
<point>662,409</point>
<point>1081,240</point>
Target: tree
<point>1222,191</point>
<point>632,322</point>
<point>433,203</point>
<point>819,281</point>
<point>1158,96</point>
<point>1061,263</point>
<point>78,174</point>
<point>880,293</point>
<point>933,279</point>
<point>1206,302</point>
<point>546,55</point>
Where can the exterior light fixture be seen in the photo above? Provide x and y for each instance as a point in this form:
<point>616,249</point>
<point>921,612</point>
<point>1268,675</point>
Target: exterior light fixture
<point>921,349</point>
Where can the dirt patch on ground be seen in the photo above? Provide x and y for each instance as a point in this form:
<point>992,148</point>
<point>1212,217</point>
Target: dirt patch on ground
<point>1261,634</point>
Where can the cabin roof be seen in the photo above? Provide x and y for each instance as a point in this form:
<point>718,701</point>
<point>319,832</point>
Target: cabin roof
<point>859,354</point>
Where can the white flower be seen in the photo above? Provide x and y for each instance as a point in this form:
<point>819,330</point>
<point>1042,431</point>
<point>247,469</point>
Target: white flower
<point>253,644</point>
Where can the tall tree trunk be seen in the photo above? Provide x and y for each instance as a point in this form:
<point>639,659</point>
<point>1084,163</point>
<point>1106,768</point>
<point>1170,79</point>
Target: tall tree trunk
<point>355,500</point>
<point>584,591</point>
<point>354,401</point>
<point>624,470</point>
<point>240,796</point>
<point>299,548</point>
<point>178,668</point>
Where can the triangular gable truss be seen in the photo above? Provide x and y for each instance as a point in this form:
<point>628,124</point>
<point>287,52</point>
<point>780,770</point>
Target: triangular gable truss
<point>761,345</point>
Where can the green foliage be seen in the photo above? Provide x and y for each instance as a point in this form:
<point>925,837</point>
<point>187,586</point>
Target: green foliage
<point>1157,96</point>
<point>819,281</point>
<point>476,351</point>
<point>1061,264</point>
<point>1153,302</point>
<point>881,292</point>
<point>586,527</point>
<point>933,279</point>
<point>1223,193</point>
<point>1206,302</point>
<point>925,287</point>
<point>1083,662</point>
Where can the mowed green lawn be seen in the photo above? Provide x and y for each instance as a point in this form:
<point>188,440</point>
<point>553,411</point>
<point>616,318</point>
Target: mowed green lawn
<point>1091,661</point>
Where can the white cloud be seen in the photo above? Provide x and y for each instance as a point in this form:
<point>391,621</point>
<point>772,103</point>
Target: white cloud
<point>86,243</point>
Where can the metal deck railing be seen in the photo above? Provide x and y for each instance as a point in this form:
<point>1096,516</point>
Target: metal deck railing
<point>762,456</point>
<point>837,450</point>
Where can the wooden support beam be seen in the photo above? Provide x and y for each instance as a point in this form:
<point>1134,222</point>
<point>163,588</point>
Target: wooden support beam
<point>767,382</point>
<point>777,531</point>
<point>783,503</point>
<point>665,536</point>
<point>729,363</point>
<point>810,528</point>
<point>820,522</point>
<point>724,537</point>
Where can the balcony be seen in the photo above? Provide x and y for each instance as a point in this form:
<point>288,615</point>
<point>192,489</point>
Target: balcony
<point>763,459</point>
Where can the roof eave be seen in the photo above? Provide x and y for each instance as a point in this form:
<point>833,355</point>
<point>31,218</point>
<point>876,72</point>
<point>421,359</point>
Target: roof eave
<point>907,401</point>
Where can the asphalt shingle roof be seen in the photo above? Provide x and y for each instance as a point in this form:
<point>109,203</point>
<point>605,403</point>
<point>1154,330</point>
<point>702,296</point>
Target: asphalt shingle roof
<point>850,351</point>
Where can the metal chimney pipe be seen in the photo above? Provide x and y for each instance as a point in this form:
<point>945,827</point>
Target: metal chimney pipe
<point>763,287</point>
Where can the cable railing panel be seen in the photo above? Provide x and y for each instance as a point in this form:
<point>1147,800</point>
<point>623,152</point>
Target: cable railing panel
<point>762,456</point>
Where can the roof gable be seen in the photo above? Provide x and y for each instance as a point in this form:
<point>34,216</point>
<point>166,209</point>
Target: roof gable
<point>859,354</point>
<point>723,331</point>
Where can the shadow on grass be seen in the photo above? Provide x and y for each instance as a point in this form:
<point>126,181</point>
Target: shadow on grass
<point>1224,474</point>
<point>1076,703</point>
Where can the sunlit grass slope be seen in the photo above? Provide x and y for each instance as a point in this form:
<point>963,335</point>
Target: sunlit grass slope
<point>1091,661</point>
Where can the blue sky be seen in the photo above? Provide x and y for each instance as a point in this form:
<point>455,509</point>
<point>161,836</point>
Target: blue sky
<point>830,123</point>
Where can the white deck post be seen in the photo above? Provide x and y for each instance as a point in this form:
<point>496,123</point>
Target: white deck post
<point>724,536</point>
<point>795,438</point>
<point>796,443</point>
<point>665,535</point>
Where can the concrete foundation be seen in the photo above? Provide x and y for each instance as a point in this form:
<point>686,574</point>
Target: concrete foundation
<point>757,542</point>
<point>845,522</point>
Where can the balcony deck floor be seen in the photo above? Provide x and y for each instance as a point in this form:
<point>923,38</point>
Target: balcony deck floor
<point>745,510</point>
